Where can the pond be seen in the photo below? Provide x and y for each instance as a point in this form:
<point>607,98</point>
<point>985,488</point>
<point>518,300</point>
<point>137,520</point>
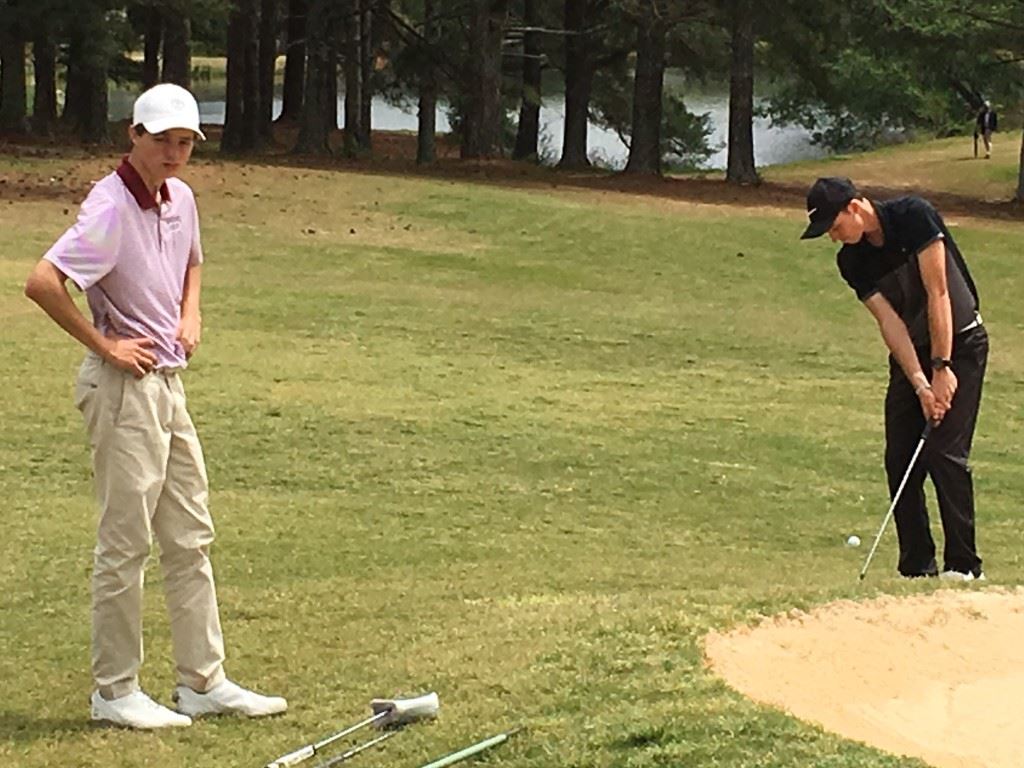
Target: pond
<point>773,145</point>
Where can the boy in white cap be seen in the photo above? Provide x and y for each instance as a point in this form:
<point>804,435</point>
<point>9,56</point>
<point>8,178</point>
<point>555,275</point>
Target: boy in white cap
<point>135,252</point>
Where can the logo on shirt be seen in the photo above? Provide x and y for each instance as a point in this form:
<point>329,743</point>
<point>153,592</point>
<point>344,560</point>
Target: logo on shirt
<point>173,223</point>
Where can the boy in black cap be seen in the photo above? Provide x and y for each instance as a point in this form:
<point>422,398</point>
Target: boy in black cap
<point>901,261</point>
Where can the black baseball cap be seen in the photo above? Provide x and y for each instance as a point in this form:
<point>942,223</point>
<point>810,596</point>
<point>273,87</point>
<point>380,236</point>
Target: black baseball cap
<point>826,200</point>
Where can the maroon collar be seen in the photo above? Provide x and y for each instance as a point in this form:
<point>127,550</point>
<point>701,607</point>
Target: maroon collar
<point>138,188</point>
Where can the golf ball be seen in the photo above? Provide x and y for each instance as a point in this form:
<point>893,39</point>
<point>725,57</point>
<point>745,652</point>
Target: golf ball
<point>853,541</point>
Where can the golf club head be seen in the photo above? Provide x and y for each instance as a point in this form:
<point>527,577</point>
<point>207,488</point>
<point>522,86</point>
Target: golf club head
<point>402,711</point>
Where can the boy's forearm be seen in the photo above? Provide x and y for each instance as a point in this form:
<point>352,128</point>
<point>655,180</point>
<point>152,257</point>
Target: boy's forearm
<point>897,339</point>
<point>192,290</point>
<point>46,288</point>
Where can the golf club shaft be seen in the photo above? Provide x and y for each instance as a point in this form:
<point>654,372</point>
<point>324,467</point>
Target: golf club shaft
<point>357,749</point>
<point>306,752</point>
<point>895,499</point>
<point>462,754</point>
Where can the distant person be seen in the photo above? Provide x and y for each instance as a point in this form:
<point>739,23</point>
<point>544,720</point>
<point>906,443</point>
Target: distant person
<point>905,267</point>
<point>985,125</point>
<point>135,252</point>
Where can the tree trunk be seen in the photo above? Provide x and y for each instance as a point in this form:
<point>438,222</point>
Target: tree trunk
<point>251,89</point>
<point>44,104</point>
<point>426,130</point>
<point>353,100</point>
<point>72,90</point>
<point>234,103</point>
<point>313,136</point>
<point>481,137</point>
<point>85,106</point>
<point>295,62</point>
<point>93,127</point>
<point>267,64</point>
<point>177,64</point>
<point>242,103</point>
<point>366,51</point>
<point>152,40</point>
<point>579,80</point>
<point>330,103</point>
<point>648,86</point>
<point>1019,197</point>
<point>528,129</point>
<point>13,91</point>
<point>740,168</point>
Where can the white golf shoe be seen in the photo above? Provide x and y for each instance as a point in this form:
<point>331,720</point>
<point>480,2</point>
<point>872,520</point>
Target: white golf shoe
<point>136,710</point>
<point>961,576</point>
<point>226,698</point>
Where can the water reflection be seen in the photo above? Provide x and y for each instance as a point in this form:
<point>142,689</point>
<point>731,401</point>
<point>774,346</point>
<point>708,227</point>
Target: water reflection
<point>772,145</point>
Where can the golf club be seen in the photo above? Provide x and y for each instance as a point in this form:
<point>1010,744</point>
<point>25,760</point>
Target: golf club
<point>471,750</point>
<point>356,750</point>
<point>896,497</point>
<point>386,712</point>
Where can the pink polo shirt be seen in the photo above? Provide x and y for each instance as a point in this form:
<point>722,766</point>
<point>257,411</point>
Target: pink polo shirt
<point>129,253</point>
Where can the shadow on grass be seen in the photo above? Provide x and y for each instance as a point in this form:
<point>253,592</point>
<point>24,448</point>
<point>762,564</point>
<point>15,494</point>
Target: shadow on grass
<point>646,737</point>
<point>22,728</point>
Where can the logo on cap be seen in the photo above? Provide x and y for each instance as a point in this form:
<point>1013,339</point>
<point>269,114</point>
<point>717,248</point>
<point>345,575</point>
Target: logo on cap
<point>826,199</point>
<point>167,106</point>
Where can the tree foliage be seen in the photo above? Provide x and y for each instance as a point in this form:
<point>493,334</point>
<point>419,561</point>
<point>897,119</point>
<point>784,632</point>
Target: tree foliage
<point>854,73</point>
<point>867,71</point>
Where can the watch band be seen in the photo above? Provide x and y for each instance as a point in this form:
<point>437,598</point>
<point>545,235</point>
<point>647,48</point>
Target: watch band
<point>938,363</point>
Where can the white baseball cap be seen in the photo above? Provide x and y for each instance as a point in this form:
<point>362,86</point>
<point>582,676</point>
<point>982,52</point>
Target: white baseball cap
<point>167,106</point>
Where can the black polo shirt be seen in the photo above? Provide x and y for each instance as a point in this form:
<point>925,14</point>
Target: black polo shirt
<point>909,224</point>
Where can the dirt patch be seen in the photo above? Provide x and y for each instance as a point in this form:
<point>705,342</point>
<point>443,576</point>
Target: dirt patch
<point>394,154</point>
<point>938,677</point>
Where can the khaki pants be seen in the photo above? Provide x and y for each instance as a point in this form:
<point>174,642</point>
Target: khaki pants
<point>150,480</point>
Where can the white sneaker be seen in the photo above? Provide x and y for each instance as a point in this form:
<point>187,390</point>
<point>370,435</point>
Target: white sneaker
<point>226,698</point>
<point>136,710</point>
<point>960,576</point>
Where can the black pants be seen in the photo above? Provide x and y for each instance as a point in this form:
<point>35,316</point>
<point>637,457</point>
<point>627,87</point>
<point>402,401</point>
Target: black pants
<point>944,459</point>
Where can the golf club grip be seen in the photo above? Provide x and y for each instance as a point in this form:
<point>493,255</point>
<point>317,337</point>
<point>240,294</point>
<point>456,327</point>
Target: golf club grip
<point>401,711</point>
<point>304,753</point>
<point>462,754</point>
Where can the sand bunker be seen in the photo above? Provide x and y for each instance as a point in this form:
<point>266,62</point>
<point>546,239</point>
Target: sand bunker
<point>939,677</point>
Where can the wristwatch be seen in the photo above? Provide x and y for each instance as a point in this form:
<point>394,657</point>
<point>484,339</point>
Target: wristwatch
<point>938,363</point>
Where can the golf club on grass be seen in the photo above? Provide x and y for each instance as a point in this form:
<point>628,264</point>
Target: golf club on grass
<point>356,750</point>
<point>386,712</point>
<point>895,499</point>
<point>471,750</point>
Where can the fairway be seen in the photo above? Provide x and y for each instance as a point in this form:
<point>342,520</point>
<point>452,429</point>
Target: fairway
<point>524,447</point>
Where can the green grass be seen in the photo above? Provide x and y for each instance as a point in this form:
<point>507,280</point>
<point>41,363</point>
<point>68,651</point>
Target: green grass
<point>523,448</point>
<point>946,165</point>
